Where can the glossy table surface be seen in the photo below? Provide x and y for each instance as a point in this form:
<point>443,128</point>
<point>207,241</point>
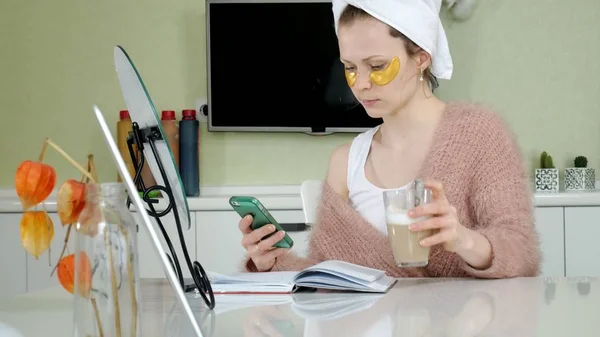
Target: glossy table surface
<point>414,307</point>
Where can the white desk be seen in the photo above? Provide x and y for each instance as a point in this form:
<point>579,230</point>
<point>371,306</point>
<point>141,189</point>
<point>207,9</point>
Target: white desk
<point>433,307</point>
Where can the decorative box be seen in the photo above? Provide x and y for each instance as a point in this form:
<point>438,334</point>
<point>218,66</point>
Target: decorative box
<point>547,180</point>
<point>580,178</point>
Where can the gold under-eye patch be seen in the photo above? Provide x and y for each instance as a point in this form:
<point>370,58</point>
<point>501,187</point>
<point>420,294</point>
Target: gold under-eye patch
<point>386,75</point>
<point>350,77</point>
<point>378,77</point>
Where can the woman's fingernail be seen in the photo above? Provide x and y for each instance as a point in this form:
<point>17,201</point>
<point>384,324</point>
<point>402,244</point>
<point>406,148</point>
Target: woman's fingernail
<point>271,228</point>
<point>282,233</point>
<point>423,242</point>
<point>413,227</point>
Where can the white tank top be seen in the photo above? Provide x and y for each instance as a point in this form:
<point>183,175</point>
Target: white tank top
<point>366,198</point>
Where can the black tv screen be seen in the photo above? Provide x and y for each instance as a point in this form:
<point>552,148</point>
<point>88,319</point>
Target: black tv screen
<point>274,66</point>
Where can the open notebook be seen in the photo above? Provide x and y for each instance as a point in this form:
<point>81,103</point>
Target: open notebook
<point>332,275</point>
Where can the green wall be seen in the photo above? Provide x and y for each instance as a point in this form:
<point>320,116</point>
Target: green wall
<point>534,62</point>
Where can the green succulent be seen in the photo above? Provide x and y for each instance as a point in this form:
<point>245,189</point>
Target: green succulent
<point>549,163</point>
<point>581,161</point>
<point>543,159</point>
<point>546,161</point>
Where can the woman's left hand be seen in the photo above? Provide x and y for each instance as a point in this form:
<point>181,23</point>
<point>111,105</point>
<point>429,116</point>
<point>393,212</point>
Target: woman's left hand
<point>443,221</point>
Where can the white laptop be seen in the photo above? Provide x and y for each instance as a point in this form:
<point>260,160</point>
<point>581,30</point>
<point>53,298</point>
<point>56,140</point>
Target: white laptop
<point>137,201</point>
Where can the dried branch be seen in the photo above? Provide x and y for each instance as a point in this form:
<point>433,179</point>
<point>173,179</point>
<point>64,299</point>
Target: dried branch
<point>43,153</point>
<point>69,159</point>
<point>97,314</point>
<point>62,253</point>
<point>66,241</point>
<point>92,167</point>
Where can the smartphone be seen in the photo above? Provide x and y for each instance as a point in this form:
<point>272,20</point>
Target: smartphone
<point>260,216</point>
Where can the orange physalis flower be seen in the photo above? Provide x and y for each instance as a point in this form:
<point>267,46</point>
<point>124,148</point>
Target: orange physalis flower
<point>37,231</point>
<point>34,182</point>
<point>66,274</point>
<point>70,202</point>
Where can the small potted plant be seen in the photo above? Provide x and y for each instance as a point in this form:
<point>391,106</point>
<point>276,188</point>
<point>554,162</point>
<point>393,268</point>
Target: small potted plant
<point>547,176</point>
<point>580,177</point>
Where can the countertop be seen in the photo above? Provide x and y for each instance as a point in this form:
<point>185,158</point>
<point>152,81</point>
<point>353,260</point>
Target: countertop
<point>521,307</point>
<point>287,197</point>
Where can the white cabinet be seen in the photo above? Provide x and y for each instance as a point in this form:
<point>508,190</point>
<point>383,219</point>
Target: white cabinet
<point>149,261</point>
<point>550,227</point>
<point>220,250</point>
<point>23,272</point>
<point>12,256</point>
<point>582,230</point>
<point>568,242</point>
<point>219,239</point>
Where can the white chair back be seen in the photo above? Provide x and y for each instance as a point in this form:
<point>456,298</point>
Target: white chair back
<point>310,192</point>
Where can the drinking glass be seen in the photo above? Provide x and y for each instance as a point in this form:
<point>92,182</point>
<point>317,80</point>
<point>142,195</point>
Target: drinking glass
<point>405,245</point>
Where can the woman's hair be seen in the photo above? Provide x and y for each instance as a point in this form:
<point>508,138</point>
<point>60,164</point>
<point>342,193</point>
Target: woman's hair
<point>351,14</point>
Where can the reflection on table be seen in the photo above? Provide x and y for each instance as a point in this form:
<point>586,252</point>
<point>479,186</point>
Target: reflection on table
<point>414,307</point>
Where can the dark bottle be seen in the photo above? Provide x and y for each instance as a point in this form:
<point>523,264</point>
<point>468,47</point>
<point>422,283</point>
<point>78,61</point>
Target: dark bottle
<point>189,148</point>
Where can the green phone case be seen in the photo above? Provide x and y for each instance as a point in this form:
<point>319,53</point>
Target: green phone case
<point>250,205</point>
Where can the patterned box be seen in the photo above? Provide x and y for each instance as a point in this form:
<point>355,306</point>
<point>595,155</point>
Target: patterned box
<point>580,178</point>
<point>546,180</point>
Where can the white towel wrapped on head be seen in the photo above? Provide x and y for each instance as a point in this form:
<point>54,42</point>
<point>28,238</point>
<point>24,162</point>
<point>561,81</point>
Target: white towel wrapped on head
<point>419,20</point>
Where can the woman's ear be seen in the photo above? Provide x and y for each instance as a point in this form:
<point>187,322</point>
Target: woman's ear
<point>424,59</point>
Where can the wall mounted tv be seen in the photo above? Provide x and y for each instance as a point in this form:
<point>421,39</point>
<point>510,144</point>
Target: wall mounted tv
<point>274,66</point>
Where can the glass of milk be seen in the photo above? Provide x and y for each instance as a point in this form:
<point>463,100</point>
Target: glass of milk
<point>405,245</point>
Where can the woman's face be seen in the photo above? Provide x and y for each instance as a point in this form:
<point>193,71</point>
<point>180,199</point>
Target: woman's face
<point>378,69</point>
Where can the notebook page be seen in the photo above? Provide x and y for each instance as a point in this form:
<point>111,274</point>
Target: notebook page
<point>263,283</point>
<point>360,274</point>
<point>325,281</point>
<point>251,288</point>
<point>277,277</point>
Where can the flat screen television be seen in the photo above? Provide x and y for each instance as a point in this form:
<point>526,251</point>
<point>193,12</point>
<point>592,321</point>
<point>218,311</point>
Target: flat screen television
<point>274,66</point>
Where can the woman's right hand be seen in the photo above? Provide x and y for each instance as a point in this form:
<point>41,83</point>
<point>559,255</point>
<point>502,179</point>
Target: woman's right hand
<point>262,252</point>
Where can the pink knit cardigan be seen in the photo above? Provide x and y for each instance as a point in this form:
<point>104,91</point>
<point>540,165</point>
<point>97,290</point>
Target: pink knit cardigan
<point>479,163</point>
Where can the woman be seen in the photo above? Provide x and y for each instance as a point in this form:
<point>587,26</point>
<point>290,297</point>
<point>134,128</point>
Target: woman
<point>482,214</point>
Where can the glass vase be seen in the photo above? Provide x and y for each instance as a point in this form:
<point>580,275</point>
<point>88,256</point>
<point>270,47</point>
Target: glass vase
<point>106,276</point>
